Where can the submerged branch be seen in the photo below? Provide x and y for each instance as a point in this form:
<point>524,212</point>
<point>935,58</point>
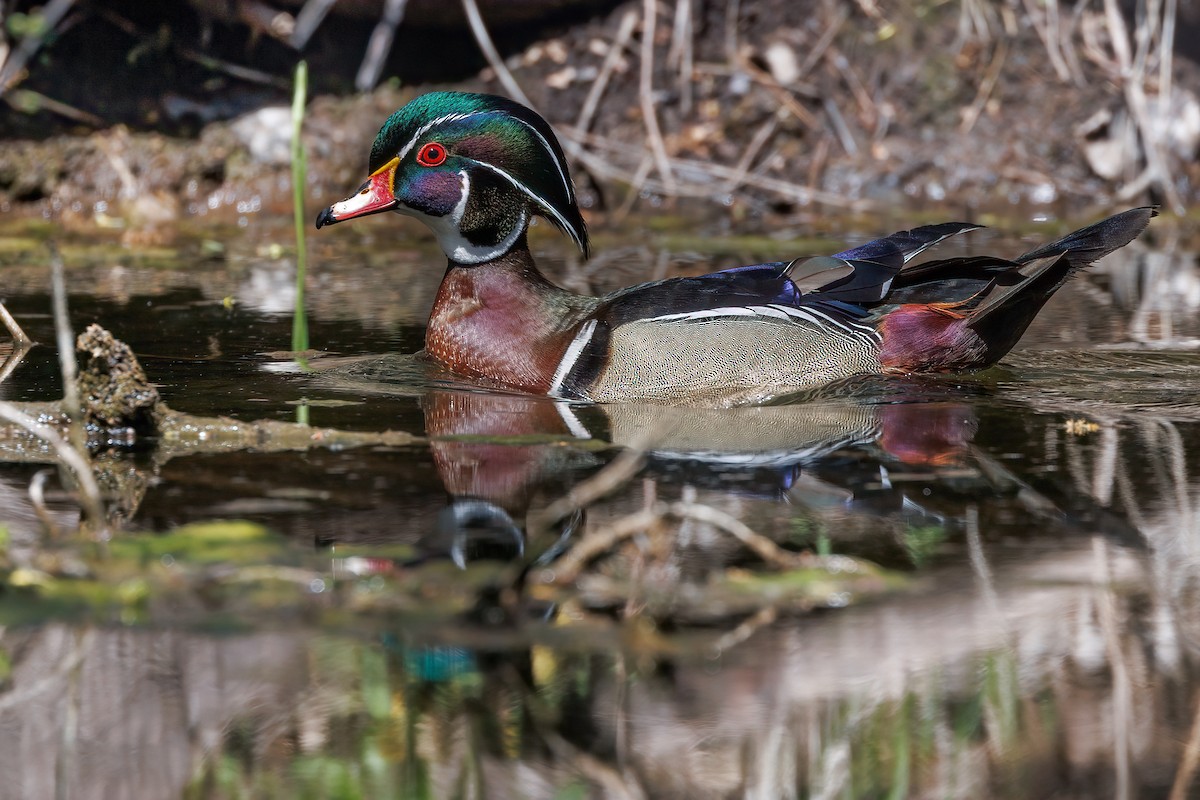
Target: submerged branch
<point>20,339</point>
<point>117,401</point>
<point>64,452</point>
<point>599,542</point>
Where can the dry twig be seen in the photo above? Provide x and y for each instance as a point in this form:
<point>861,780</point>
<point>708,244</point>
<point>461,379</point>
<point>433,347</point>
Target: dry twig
<point>838,122</point>
<point>841,64</point>
<point>760,138</point>
<point>13,359</point>
<point>681,52</point>
<point>986,86</point>
<point>380,45</point>
<point>714,175</point>
<point>733,10</point>
<point>19,337</point>
<point>68,455</point>
<point>597,543</point>
<point>763,617</point>
<point>234,70</point>
<point>760,545</point>
<point>782,95</point>
<point>14,66</point>
<point>611,59</point>
<point>646,96</point>
<point>308,20</point>
<point>491,54</point>
<point>1045,23</point>
<point>37,499</point>
<point>567,568</point>
<point>1191,759</point>
<point>616,474</point>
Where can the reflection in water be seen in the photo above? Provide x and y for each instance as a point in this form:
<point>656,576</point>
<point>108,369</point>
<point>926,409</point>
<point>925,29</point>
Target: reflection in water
<point>1158,293</point>
<point>1047,648</point>
<point>1046,643</point>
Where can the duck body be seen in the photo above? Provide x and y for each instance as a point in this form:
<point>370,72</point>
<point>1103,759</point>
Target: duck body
<point>475,168</point>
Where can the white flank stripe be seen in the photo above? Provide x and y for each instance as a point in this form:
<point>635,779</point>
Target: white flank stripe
<point>807,314</point>
<point>821,319</point>
<point>768,311</point>
<point>728,311</point>
<point>574,350</point>
<point>837,323</point>
<point>572,422</point>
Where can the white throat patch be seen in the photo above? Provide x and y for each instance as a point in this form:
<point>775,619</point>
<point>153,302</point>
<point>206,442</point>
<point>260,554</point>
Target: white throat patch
<point>447,229</point>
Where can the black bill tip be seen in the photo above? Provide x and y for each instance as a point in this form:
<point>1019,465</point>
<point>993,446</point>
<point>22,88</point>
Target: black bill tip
<point>326,217</point>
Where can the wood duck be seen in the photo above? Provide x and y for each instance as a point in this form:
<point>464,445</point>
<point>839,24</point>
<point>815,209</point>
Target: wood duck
<point>475,169</point>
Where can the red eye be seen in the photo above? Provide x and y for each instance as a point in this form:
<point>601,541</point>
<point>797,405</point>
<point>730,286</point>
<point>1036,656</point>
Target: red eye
<point>431,154</point>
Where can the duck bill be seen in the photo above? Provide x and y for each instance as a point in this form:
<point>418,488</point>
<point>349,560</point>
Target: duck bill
<point>376,195</point>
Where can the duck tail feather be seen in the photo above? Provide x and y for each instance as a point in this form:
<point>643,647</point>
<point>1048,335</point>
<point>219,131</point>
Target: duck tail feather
<point>1087,245</point>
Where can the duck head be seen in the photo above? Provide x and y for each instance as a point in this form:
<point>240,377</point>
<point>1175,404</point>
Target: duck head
<point>474,168</point>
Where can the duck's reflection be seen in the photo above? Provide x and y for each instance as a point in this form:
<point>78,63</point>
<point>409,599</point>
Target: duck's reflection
<point>499,455</point>
<point>1028,661</point>
<point>496,454</point>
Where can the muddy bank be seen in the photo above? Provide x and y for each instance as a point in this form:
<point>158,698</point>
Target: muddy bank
<point>764,113</point>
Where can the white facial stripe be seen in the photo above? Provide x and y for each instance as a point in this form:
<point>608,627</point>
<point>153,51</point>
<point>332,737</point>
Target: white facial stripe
<point>574,351</point>
<point>460,208</point>
<point>433,123</point>
<point>455,117</point>
<point>525,190</point>
<point>562,172</point>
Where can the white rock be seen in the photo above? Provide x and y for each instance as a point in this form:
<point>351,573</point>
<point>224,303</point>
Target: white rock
<point>781,61</point>
<point>267,134</point>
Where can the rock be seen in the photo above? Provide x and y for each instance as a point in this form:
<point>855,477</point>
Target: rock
<point>1113,143</point>
<point>267,134</point>
<point>562,78</point>
<point>1179,122</point>
<point>113,386</point>
<point>1110,144</point>
<point>782,63</point>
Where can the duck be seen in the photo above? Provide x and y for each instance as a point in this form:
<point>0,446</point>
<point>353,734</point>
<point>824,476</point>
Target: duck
<point>476,169</point>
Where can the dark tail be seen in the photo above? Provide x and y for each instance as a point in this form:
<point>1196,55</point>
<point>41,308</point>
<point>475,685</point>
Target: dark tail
<point>1004,313</point>
<point>1092,243</point>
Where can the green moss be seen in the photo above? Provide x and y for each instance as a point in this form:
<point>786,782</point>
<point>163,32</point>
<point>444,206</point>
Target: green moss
<point>220,541</point>
<point>921,542</point>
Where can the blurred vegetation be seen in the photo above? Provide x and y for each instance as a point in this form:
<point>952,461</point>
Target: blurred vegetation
<point>761,108</point>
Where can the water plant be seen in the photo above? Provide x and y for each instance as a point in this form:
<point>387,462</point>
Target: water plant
<point>299,178</point>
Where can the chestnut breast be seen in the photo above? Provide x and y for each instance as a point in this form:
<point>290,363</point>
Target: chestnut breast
<point>496,325</point>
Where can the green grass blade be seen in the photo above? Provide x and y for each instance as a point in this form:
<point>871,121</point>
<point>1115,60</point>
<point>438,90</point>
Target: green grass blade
<point>299,178</point>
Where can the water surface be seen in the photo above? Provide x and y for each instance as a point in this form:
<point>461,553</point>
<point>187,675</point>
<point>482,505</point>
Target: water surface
<point>1032,629</point>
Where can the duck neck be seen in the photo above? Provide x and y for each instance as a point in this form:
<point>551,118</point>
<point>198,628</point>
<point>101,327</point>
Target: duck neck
<point>502,321</point>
